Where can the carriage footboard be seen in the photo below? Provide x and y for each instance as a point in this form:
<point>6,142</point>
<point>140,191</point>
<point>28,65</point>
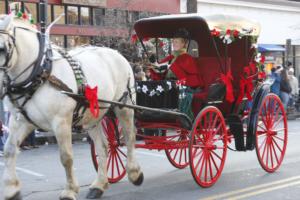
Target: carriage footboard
<point>142,111</point>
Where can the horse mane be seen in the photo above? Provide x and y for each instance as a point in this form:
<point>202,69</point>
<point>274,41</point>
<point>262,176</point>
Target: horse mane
<point>24,24</point>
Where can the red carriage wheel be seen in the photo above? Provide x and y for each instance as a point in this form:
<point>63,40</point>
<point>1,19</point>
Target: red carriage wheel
<point>271,133</point>
<point>116,168</point>
<point>178,157</point>
<point>208,146</point>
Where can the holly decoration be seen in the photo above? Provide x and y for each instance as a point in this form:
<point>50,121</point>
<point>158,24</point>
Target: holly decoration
<point>25,16</point>
<point>229,35</point>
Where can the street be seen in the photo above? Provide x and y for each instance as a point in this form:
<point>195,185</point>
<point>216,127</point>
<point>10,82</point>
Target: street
<point>43,176</point>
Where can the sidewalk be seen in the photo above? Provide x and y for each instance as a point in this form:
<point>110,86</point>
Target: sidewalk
<point>293,115</point>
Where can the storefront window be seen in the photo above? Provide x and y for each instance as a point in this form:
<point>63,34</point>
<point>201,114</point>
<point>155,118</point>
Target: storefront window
<point>2,7</point>
<point>74,41</point>
<point>72,15</point>
<point>58,10</point>
<point>99,15</point>
<point>57,40</point>
<point>85,16</point>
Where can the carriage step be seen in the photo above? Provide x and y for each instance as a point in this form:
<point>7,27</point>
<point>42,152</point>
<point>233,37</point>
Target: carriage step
<point>236,128</point>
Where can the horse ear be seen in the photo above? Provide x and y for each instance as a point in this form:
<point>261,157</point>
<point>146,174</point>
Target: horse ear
<point>4,24</point>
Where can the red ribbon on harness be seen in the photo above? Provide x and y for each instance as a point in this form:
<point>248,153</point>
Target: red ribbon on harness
<point>91,94</point>
<point>227,80</point>
<point>246,85</point>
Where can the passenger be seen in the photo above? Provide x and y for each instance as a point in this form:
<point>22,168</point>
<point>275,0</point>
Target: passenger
<point>180,65</point>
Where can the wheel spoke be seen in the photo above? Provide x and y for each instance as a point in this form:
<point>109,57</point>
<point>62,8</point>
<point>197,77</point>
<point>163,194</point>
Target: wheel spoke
<point>262,143</point>
<point>117,165</point>
<point>121,161</point>
<point>201,167</point>
<point>210,168</point>
<point>217,155</point>
<point>121,152</point>
<point>277,122</point>
<point>197,165</point>
<point>278,147</point>
<point>272,145</point>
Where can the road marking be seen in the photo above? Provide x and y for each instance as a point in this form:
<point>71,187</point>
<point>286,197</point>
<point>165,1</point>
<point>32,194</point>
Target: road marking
<point>248,189</point>
<point>26,171</point>
<point>264,191</point>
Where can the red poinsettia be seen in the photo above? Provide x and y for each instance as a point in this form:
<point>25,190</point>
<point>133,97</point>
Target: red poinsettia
<point>216,33</point>
<point>262,59</point>
<point>262,75</point>
<point>236,33</point>
<point>228,32</point>
<point>146,39</point>
<point>24,16</point>
<point>161,44</point>
<point>134,38</point>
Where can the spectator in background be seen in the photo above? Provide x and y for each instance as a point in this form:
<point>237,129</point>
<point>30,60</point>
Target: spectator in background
<point>294,86</point>
<point>285,88</point>
<point>139,74</point>
<point>275,87</point>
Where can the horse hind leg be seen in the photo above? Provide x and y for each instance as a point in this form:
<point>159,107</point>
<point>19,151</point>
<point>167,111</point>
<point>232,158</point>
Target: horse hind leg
<point>64,140</point>
<point>126,119</point>
<point>100,184</point>
<point>19,130</point>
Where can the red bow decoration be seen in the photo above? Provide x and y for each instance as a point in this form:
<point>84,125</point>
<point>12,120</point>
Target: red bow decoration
<point>227,80</point>
<point>92,96</point>
<point>246,84</point>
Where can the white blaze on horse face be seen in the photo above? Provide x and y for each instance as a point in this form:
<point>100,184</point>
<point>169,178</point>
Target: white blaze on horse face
<point>5,21</point>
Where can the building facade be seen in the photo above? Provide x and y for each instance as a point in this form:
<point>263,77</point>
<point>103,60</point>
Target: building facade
<point>87,21</point>
<point>279,19</point>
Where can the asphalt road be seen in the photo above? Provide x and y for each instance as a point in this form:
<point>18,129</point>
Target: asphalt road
<point>43,177</point>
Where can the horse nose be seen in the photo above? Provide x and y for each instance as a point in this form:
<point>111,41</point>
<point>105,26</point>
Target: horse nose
<point>2,48</point>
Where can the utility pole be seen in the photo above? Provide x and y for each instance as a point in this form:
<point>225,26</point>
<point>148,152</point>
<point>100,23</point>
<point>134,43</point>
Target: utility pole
<point>191,6</point>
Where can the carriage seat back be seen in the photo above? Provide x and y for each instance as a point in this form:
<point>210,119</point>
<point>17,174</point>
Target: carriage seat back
<point>210,70</point>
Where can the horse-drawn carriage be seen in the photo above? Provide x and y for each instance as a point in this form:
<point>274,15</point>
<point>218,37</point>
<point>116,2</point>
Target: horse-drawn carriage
<point>233,106</point>
<point>43,94</point>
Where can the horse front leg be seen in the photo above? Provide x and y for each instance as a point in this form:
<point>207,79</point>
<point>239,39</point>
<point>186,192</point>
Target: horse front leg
<point>63,135</point>
<point>101,182</point>
<point>19,130</point>
<point>126,118</point>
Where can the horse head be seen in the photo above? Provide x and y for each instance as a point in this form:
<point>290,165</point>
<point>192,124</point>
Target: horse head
<point>5,22</point>
<point>19,47</point>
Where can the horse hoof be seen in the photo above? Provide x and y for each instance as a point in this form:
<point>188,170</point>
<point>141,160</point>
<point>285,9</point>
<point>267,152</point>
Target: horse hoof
<point>94,193</point>
<point>65,198</point>
<point>17,196</point>
<point>140,180</point>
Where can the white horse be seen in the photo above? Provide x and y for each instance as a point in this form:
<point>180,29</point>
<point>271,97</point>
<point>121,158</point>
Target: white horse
<point>51,110</point>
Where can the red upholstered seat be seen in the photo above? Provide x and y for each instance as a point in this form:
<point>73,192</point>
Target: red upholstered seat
<point>209,70</point>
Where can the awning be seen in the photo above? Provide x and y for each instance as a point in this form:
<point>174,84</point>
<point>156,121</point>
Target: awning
<point>270,47</point>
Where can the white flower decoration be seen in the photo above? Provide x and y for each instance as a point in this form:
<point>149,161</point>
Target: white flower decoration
<point>152,93</point>
<point>169,84</point>
<point>145,89</point>
<point>160,88</point>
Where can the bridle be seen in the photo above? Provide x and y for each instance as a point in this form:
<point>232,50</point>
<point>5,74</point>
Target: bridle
<point>10,86</point>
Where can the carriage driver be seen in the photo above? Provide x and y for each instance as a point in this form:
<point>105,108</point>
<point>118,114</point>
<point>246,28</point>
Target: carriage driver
<point>180,65</point>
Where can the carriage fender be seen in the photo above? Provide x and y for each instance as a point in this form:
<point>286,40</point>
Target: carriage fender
<point>259,95</point>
